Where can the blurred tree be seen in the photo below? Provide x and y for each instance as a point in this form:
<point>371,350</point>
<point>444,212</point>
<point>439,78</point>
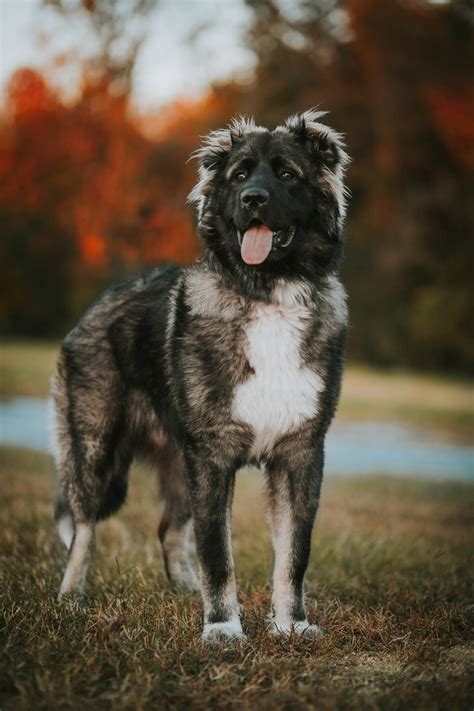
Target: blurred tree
<point>37,245</point>
<point>85,199</point>
<point>397,78</point>
<point>84,196</point>
<point>91,192</point>
<point>119,29</point>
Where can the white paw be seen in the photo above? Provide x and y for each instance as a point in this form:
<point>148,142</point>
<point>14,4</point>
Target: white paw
<point>302,628</point>
<point>74,597</point>
<point>223,631</point>
<point>69,591</point>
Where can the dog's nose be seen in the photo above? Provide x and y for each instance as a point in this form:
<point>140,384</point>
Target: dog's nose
<point>254,197</point>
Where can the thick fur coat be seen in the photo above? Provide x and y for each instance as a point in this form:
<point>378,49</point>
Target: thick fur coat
<point>234,360</point>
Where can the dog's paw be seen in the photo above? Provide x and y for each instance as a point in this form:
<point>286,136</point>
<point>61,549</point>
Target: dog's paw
<point>223,632</point>
<point>302,628</point>
<point>305,629</point>
<point>72,598</point>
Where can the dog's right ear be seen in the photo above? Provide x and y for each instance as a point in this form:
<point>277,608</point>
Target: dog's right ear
<point>213,153</point>
<point>214,147</point>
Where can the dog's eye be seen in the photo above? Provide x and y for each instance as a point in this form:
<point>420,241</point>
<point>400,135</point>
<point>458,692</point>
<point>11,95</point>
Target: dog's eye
<point>286,175</point>
<point>240,175</point>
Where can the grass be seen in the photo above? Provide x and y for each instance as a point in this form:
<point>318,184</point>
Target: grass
<point>427,400</point>
<point>447,404</point>
<point>390,580</point>
<point>26,367</point>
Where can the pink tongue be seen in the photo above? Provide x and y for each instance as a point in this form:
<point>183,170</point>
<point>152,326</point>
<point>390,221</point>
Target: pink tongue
<point>256,244</point>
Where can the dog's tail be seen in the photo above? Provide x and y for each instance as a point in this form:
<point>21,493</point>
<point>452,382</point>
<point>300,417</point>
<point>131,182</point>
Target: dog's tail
<point>64,519</point>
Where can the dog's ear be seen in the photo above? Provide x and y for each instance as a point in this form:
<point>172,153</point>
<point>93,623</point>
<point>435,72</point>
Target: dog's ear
<point>211,155</point>
<point>217,144</point>
<point>322,143</point>
<point>214,151</point>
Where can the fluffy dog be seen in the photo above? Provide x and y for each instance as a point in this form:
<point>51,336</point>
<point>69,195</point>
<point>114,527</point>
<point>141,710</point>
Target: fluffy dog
<point>234,360</point>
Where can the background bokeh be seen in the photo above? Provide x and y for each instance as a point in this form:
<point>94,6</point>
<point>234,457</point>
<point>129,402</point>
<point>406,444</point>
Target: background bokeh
<point>97,128</point>
<point>103,102</point>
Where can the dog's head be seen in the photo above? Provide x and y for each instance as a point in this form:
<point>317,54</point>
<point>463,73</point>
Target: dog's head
<point>273,202</point>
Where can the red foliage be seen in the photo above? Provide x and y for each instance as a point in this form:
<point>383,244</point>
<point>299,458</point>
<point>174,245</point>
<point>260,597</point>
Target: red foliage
<point>28,94</point>
<point>453,117</point>
<point>90,193</point>
<point>93,250</point>
<point>89,168</point>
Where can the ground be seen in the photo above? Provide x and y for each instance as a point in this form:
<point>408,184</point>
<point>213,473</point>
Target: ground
<point>390,581</point>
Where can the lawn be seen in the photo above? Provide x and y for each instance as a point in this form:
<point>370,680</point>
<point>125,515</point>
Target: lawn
<point>390,581</point>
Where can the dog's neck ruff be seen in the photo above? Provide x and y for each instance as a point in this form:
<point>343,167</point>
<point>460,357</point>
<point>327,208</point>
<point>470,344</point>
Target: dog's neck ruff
<point>254,284</point>
<point>209,294</point>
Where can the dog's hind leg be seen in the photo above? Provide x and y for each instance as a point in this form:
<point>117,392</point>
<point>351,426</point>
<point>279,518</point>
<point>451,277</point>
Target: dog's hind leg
<point>174,533</point>
<point>79,540</point>
<point>76,523</point>
<point>175,525</point>
<point>79,558</point>
<point>64,519</point>
<point>92,454</point>
<point>77,531</point>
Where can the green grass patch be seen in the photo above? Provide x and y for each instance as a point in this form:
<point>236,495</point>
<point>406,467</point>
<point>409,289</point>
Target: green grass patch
<point>390,581</point>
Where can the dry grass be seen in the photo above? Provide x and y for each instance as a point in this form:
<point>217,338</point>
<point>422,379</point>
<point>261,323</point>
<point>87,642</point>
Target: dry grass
<point>427,400</point>
<point>390,571</point>
<point>26,367</point>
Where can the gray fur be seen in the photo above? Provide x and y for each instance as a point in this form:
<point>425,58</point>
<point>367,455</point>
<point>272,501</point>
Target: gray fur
<point>159,368</point>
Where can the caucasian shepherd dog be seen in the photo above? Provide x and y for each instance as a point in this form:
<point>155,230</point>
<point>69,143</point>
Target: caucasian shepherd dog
<point>234,360</point>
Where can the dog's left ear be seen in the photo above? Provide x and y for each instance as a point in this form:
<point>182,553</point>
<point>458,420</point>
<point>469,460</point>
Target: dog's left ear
<point>322,143</point>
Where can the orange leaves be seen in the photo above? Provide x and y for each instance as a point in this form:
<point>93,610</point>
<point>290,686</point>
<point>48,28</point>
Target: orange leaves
<point>453,116</point>
<point>169,237</point>
<point>165,236</point>
<point>107,187</point>
<point>93,250</point>
<point>27,93</point>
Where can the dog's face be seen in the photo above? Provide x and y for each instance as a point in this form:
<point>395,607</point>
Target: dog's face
<point>272,202</point>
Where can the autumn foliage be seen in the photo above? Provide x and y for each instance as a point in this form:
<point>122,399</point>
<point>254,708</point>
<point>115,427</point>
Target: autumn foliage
<point>91,192</point>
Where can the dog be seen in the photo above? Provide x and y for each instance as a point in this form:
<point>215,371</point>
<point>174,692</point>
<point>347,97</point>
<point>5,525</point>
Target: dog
<point>234,360</point>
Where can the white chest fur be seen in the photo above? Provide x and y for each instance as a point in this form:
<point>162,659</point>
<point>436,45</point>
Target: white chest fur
<point>282,393</point>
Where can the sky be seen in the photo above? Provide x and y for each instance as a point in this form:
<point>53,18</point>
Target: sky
<point>169,64</point>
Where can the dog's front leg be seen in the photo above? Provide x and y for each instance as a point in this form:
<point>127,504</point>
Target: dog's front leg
<point>294,474</point>
<point>211,488</point>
